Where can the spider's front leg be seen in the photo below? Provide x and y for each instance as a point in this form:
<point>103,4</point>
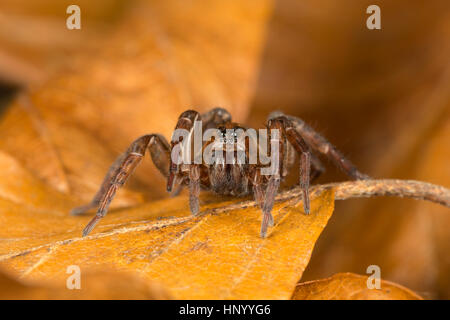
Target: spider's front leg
<point>277,154</point>
<point>302,149</point>
<point>120,171</point>
<point>259,194</point>
<point>186,123</point>
<point>288,132</point>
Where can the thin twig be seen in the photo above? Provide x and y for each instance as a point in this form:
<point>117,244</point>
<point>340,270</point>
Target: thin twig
<point>366,189</point>
<point>377,188</point>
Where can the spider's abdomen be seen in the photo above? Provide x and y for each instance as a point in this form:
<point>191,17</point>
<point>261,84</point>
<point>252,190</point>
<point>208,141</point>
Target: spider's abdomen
<point>229,179</point>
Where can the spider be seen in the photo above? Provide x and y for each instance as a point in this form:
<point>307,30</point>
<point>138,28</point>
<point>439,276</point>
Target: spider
<point>296,139</point>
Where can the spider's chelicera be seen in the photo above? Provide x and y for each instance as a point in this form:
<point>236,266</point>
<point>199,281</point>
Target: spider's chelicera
<point>209,151</point>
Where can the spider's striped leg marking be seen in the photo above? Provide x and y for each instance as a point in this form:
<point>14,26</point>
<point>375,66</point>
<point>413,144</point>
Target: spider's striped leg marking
<point>185,122</point>
<point>259,195</point>
<point>305,161</point>
<point>274,180</point>
<point>194,188</point>
<point>121,170</point>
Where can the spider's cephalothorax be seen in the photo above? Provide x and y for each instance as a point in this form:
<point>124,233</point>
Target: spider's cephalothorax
<point>226,162</point>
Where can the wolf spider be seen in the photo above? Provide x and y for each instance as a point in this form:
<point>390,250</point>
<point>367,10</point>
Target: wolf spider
<point>296,139</point>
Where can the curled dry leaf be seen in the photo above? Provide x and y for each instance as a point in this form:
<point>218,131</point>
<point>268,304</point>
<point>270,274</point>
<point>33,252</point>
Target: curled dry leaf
<point>350,286</point>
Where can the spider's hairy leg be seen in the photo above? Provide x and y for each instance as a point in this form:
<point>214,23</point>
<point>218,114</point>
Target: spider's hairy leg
<point>194,188</point>
<point>119,172</point>
<point>160,153</point>
<point>258,192</point>
<point>116,177</point>
<point>257,188</point>
<point>275,177</point>
<point>271,192</point>
<point>296,140</point>
<point>305,161</point>
<point>320,144</point>
<point>185,122</point>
